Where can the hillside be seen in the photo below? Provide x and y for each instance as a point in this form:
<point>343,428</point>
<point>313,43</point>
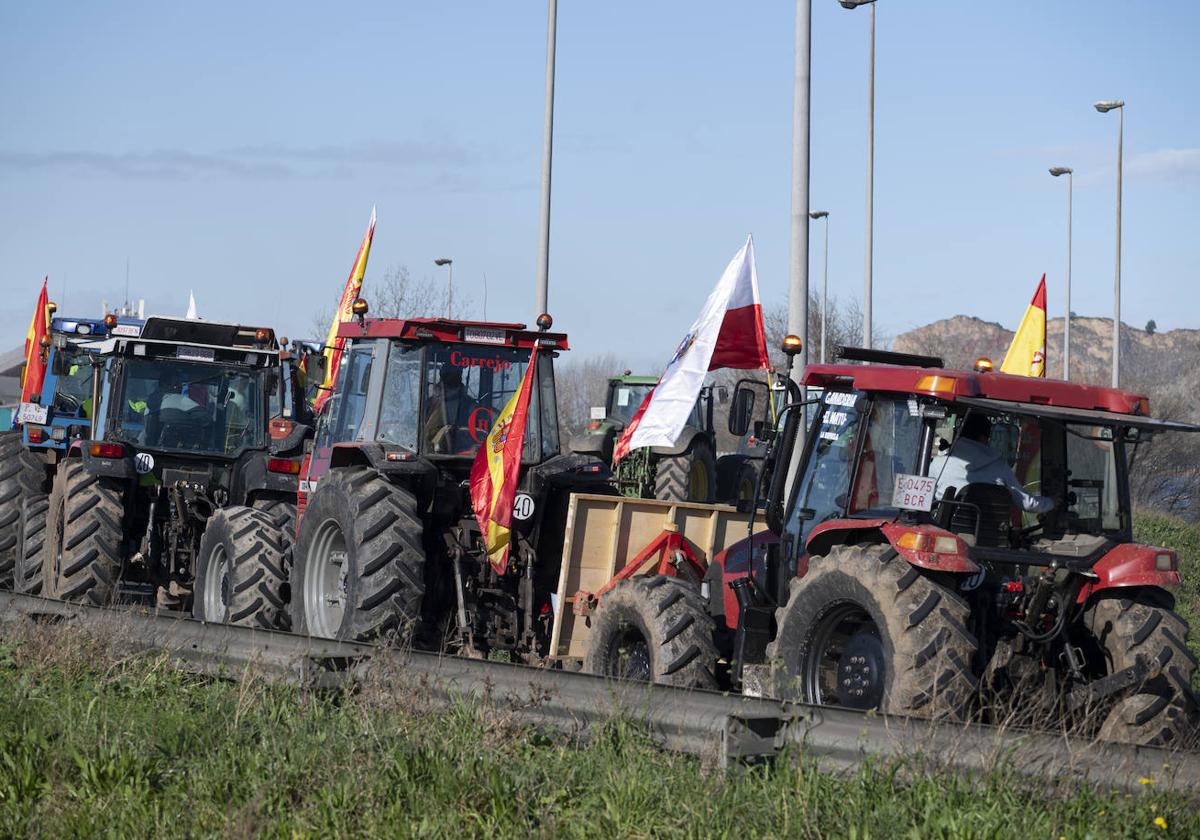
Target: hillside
<point>1161,364</point>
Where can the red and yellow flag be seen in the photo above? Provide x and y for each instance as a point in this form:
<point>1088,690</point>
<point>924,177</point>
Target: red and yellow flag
<point>35,361</point>
<point>344,312</point>
<point>496,471</point>
<point>1027,354</point>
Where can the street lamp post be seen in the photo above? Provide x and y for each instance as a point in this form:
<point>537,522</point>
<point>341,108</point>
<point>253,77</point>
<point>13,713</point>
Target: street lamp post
<point>1056,171</point>
<point>814,215</point>
<point>543,266</point>
<point>1104,106</point>
<point>449,263</point>
<point>868,258</point>
<point>798,269</point>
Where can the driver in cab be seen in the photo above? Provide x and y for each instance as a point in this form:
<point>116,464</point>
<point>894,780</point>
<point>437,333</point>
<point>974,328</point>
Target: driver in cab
<point>972,461</point>
<point>170,396</point>
<point>450,413</point>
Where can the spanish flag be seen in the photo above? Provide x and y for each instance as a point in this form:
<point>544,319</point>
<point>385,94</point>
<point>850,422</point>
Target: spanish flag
<point>1027,354</point>
<point>496,471</point>
<point>344,312</point>
<point>35,360</point>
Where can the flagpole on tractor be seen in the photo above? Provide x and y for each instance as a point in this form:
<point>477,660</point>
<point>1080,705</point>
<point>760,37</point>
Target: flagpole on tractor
<point>798,273</point>
<point>543,270</point>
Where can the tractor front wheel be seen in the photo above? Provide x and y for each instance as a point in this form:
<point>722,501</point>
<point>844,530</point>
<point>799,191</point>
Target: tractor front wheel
<point>1141,624</point>
<point>865,629</point>
<point>690,477</point>
<point>240,578</point>
<point>653,629</point>
<point>359,564</point>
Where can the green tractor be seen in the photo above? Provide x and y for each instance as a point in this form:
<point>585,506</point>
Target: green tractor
<point>688,471</point>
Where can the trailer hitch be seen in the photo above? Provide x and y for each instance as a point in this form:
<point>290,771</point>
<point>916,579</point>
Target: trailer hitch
<point>1097,690</point>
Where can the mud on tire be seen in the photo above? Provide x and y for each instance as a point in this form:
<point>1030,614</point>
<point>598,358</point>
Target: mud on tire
<point>1162,711</point>
<point>359,564</point>
<point>21,472</point>
<point>240,576</point>
<point>655,629</point>
<point>84,544</point>
<point>865,629</point>
<point>676,475</point>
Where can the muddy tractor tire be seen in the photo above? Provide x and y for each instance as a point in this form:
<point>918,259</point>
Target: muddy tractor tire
<point>865,629</point>
<point>690,477</point>
<point>29,573</point>
<point>283,514</point>
<point>21,472</point>
<point>1162,711</point>
<point>358,571</point>
<point>83,544</point>
<point>653,629</point>
<point>240,575</point>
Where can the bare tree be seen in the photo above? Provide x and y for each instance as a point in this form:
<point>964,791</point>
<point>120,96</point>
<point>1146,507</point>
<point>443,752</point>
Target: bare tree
<point>582,383</point>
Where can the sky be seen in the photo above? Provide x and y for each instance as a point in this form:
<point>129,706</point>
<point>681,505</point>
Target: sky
<point>236,150</point>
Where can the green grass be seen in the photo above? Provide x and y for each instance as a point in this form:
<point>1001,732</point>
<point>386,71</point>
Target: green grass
<point>94,746</point>
<point>1171,532</point>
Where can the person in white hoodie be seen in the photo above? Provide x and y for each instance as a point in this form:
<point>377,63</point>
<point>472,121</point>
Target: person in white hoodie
<point>971,461</point>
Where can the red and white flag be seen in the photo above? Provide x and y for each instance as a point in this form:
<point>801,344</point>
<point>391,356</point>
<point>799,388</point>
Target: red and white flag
<point>728,334</point>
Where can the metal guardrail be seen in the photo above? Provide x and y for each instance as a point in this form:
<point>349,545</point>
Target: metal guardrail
<point>720,728</point>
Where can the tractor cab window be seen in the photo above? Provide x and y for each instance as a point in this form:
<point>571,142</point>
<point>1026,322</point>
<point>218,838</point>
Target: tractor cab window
<point>822,491</point>
<point>1094,502</point>
<point>343,412</point>
<point>466,388</point>
<point>400,415</point>
<point>891,446</point>
<point>73,389</point>
<point>190,406</point>
<point>624,400</point>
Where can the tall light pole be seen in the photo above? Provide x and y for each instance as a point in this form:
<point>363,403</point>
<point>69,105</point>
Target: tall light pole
<point>449,284</point>
<point>1104,106</point>
<point>1056,171</point>
<point>798,270</point>
<point>543,269</point>
<point>868,258</point>
<point>814,215</point>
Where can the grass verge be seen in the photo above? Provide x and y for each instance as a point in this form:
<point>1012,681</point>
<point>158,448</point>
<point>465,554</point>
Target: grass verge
<point>96,746</point>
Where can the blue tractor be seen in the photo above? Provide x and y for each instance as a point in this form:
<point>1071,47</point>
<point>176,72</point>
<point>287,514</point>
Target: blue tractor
<point>41,434</point>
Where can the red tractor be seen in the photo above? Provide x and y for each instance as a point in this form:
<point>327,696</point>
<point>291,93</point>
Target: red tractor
<point>880,586</point>
<point>387,543</point>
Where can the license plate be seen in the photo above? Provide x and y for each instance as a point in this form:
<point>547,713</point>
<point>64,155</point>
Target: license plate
<point>32,413</point>
<point>913,492</point>
<point>483,335</point>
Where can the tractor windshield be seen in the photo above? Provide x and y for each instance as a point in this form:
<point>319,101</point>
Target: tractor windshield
<point>624,400</point>
<point>443,399</point>
<point>189,406</point>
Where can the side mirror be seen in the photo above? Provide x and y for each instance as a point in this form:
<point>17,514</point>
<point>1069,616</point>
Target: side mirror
<point>741,411</point>
<point>316,367</point>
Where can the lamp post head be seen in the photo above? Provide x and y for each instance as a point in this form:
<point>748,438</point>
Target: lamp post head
<point>1106,105</point>
<point>854,4</point>
<point>818,214</point>
<point>443,261</point>
<point>1060,170</point>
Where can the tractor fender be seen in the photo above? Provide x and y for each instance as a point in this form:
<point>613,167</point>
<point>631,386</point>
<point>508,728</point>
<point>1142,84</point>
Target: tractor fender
<point>1132,564</point>
<point>842,531</point>
<point>682,444</point>
<point>598,443</point>
<point>109,467</point>
<point>251,477</point>
<point>417,473</point>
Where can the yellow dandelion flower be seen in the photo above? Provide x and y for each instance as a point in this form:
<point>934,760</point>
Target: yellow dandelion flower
<point>1161,823</point>
<point>1145,781</point>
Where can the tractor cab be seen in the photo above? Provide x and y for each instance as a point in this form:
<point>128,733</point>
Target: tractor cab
<point>62,411</point>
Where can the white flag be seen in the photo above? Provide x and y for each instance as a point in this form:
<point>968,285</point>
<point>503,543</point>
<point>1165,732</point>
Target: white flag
<point>728,334</point>
<point>191,313</point>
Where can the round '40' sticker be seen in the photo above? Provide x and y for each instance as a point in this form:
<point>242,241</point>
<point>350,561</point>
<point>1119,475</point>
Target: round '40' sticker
<point>522,506</point>
<point>143,462</point>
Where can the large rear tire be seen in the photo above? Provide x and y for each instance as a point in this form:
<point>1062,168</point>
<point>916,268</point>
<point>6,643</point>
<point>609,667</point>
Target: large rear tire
<point>240,575</point>
<point>690,477</point>
<point>1161,712</point>
<point>83,547</point>
<point>865,629</point>
<point>654,629</point>
<point>29,573</point>
<point>359,565</point>
<point>21,472</point>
